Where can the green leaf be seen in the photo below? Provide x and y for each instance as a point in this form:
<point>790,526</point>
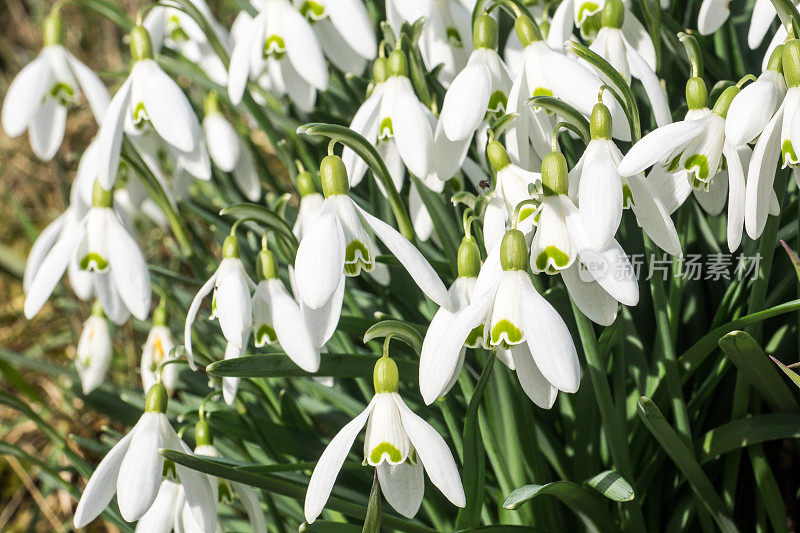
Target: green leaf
<point>751,361</point>
<point>565,111</point>
<point>369,154</point>
<point>325,526</point>
<point>574,496</point>
<point>398,330</point>
<point>447,226</point>
<point>684,459</point>
<point>788,371</point>
<point>372,522</point>
<point>278,365</point>
<point>258,213</point>
<point>747,431</point>
<point>612,485</point>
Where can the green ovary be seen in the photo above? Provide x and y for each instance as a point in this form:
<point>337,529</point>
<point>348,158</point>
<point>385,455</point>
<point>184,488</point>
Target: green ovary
<point>93,261</point>
<point>275,47</point>
<point>551,257</point>
<point>697,165</point>
<point>312,10</point>
<point>788,154</point>
<point>506,332</point>
<point>385,448</point>
<point>475,337</point>
<point>356,257</point>
<point>265,335</point>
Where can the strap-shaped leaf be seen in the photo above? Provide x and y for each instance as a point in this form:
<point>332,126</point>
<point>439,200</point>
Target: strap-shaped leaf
<point>565,111</point>
<point>612,485</point>
<point>278,365</point>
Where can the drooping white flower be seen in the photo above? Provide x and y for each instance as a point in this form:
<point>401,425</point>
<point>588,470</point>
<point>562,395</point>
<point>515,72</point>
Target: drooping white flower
<point>157,350</point>
<point>134,470</point>
<point>230,304</point>
<point>177,30</point>
<point>480,89</point>
<point>612,45</point>
<point>94,350</point>
<point>344,31</point>
<point>338,244</point>
<point>98,244</point>
<point>515,317</point>
<point>228,151</point>
<point>280,44</point>
<point>38,98</point>
<point>688,155</point>
<point>712,15</point>
<point>150,102</point>
<point>398,443</point>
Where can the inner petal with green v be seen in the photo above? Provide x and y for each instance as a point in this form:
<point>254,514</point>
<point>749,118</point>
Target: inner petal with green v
<point>697,165</point>
<point>312,10</point>
<point>62,93</point>
<point>385,130</point>
<point>274,46</point>
<point>506,333</point>
<point>788,154</point>
<point>357,257</point>
<point>94,262</point>
<point>475,337</point>
<point>391,451</point>
<point>265,335</point>
<point>552,259</point>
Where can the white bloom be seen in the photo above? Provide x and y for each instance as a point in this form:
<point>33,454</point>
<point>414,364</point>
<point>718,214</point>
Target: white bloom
<point>230,303</point>
<point>156,350</point>
<point>280,43</point>
<point>101,245</point>
<point>38,98</point>
<point>755,105</point>
<point>338,244</point>
<point>516,318</point>
<point>228,151</point>
<point>399,444</point>
<point>712,15</point>
<point>133,469</point>
<point>149,101</point>
<point>94,351</point>
<point>344,31</point>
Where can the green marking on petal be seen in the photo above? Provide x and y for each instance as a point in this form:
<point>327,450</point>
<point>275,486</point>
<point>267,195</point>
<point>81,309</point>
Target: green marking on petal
<point>94,262</point>
<point>385,131</point>
<point>357,257</point>
<point>454,38</point>
<point>506,332</point>
<point>551,259</point>
<point>788,154</point>
<point>63,93</point>
<point>698,166</point>
<point>475,337</point>
<point>385,448</point>
<point>673,163</point>
<point>225,493</point>
<point>527,211</point>
<point>176,32</point>
<point>139,114</point>
<point>541,91</point>
<point>275,47</point>
<point>265,335</point>
<point>312,10</point>
<point>497,102</point>
<point>586,9</point>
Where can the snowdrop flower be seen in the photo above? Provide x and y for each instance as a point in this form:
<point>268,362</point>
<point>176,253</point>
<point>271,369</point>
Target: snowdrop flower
<point>177,30</point>
<point>515,318</point>
<point>461,292</point>
<point>344,31</point>
<point>134,467</point>
<point>230,303</point>
<point>777,141</point>
<point>398,443</point>
<point>480,89</point>
<point>149,101</point>
<point>38,98</point>
<point>689,154</point>
<point>338,244</point>
<point>278,317</point>
<point>227,149</point>
<point>310,204</point>
<point>602,194</point>
<point>94,350</point>
<point>612,45</point>
<point>157,349</point>
<point>584,14</point>
<point>597,277</point>
<point>514,186</point>
<point>280,43</point>
<point>550,73</point>
<point>712,15</point>
<point>99,244</point>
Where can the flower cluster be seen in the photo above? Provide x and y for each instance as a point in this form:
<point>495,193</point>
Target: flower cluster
<point>448,115</point>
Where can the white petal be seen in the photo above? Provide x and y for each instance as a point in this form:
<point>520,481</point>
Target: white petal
<point>191,314</point>
<point>167,107</point>
<point>671,189</point>
<point>41,247</point>
<point>101,486</point>
<point>300,92</point>
<point>329,464</point>
<point>24,96</point>
<point>291,329</point>
<point>494,222</point>
<point>96,93</point>
<point>230,386</point>
<point>109,138</point>
<point>600,200</point>
<point>652,86</point>
<point>303,48</point>
<point>535,385</point>
<point>736,193</point>
<point>46,129</point>
<point>128,269</point>
<point>549,340</point>
<point>365,122</point>
<point>412,132</point>
<point>592,300</point>
<point>252,506</point>
<point>322,322</point>
<point>713,200</point>
<point>246,176</point>
<point>653,217</point>
<point>239,69</point>
<point>752,109</point>
<point>561,25</point>
<point>350,17</point>
<point>196,486</point>
<point>638,36</point>
<point>761,176</point>
<point>413,10</point>
<point>761,19</point>
<point>337,49</point>
<point>433,453</point>
<point>712,15</point>
<point>320,259</point>
<point>141,470</point>
<point>234,305</point>
<point>403,486</point>
<point>158,519</point>
<point>223,142</point>
<point>51,269</point>
<point>465,101</point>
<point>659,144</point>
<point>417,266</point>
